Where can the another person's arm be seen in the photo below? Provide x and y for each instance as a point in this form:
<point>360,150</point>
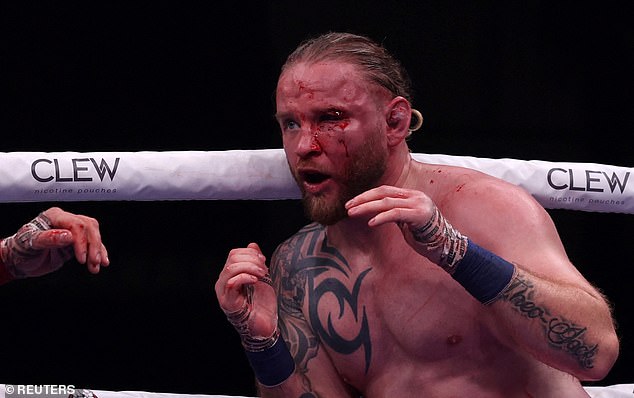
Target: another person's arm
<point>547,307</point>
<point>45,243</point>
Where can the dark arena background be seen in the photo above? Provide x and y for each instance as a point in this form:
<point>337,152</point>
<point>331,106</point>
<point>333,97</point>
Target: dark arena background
<point>526,80</point>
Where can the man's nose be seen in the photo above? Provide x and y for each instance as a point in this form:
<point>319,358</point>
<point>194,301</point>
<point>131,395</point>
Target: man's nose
<point>308,143</point>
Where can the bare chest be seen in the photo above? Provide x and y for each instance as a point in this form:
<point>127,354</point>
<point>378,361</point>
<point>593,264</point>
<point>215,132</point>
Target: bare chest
<point>372,316</point>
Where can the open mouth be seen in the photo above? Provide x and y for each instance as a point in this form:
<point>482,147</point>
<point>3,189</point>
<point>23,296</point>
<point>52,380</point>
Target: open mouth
<point>313,181</point>
<point>313,177</point>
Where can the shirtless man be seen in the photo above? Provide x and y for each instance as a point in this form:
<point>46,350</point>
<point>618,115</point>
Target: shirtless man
<point>415,280</point>
<point>48,241</point>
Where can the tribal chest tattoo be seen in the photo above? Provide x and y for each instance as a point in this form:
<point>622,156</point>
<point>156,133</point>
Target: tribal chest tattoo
<point>306,269</point>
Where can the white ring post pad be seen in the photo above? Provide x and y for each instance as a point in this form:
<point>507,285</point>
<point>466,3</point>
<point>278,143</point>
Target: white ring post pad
<point>263,175</point>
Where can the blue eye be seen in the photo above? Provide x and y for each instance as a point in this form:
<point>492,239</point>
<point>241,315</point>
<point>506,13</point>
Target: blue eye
<point>291,125</point>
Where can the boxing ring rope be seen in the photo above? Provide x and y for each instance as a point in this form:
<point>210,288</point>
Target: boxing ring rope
<point>263,175</point>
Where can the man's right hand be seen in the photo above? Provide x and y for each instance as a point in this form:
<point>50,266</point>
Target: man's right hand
<point>246,296</point>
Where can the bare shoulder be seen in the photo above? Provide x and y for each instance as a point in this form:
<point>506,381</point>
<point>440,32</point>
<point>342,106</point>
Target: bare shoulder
<point>454,187</point>
<point>495,213</point>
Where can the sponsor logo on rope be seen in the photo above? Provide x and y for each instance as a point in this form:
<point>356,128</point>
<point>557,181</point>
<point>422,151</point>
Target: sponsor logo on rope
<point>80,171</point>
<point>83,169</point>
<point>578,181</point>
<point>586,180</point>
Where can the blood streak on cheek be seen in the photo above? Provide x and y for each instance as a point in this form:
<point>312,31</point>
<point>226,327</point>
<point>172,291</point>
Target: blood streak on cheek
<point>345,146</point>
<point>341,126</point>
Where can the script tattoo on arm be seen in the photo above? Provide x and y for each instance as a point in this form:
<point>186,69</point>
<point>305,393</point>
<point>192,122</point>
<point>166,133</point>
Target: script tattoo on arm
<point>304,269</point>
<point>560,333</point>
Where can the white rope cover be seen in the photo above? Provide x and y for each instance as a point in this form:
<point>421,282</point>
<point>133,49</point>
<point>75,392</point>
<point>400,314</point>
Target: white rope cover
<point>263,174</point>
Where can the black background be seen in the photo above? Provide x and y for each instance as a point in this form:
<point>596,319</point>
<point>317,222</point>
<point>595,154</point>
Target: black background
<point>526,80</point>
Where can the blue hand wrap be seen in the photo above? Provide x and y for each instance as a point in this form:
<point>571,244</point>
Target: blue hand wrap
<point>273,365</point>
<point>483,273</point>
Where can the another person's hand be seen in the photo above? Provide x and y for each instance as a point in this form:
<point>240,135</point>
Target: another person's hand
<point>48,241</point>
<point>246,296</point>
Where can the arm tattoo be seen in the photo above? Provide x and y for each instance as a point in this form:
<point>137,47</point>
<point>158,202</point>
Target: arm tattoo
<point>560,333</point>
<point>299,271</point>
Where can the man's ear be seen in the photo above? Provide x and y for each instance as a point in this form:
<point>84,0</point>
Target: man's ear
<point>398,118</point>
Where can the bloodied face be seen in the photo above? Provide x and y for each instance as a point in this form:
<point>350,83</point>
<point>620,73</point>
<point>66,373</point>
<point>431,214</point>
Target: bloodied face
<point>332,122</point>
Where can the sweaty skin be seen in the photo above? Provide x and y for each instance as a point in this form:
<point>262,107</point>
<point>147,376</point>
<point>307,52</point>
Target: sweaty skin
<point>364,308</point>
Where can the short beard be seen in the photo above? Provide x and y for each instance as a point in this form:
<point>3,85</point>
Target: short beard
<point>363,172</point>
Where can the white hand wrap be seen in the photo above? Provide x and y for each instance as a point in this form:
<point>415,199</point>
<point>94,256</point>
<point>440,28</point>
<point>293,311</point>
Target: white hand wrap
<point>240,321</point>
<point>438,233</point>
<point>17,251</point>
